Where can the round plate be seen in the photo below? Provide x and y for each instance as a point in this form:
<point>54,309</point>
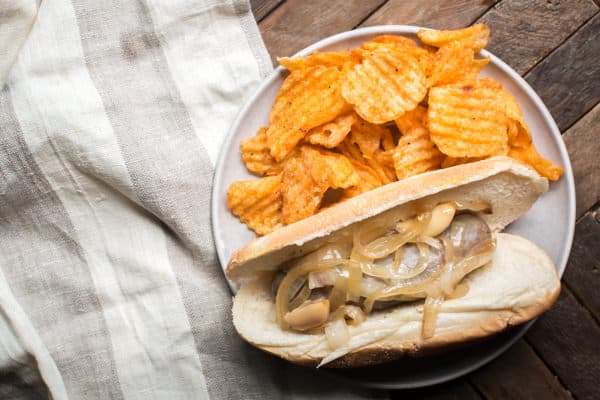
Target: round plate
<point>549,223</point>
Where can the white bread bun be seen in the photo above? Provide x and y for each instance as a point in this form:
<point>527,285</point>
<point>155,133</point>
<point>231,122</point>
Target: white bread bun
<point>519,284</point>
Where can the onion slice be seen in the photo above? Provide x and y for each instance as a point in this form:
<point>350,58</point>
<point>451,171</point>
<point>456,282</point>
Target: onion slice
<point>336,332</point>
<point>431,309</point>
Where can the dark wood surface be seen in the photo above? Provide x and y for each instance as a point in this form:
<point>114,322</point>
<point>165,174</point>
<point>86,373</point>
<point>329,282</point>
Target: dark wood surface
<point>555,45</point>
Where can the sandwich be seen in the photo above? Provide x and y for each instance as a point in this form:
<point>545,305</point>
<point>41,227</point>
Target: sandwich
<point>416,265</point>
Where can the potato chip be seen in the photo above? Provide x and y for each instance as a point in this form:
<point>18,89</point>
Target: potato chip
<point>329,169</point>
<point>308,98</point>
<point>385,171</point>
<point>404,45</point>
<point>301,194</point>
<point>368,137</point>
<point>520,141</point>
<point>256,154</point>
<point>257,203</point>
<point>387,140</point>
<point>368,180</point>
<point>456,63</point>
<point>518,131</point>
<point>412,119</point>
<point>332,133</point>
<point>326,59</point>
<point>475,36</point>
<point>529,155</point>
<point>468,121</point>
<point>384,86</point>
<point>416,153</point>
<point>307,177</point>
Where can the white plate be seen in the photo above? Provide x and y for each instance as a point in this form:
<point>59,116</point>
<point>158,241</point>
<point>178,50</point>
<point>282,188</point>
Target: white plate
<point>549,223</point>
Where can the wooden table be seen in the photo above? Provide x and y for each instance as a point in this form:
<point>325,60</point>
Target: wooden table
<point>555,45</point>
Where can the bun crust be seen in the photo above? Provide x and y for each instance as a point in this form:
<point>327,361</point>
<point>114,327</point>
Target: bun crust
<point>509,186</point>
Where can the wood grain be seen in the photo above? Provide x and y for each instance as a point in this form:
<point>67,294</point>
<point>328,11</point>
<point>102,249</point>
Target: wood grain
<point>567,339</point>
<point>458,389</point>
<point>446,14</point>
<point>260,8</point>
<point>583,145</point>
<point>568,80</point>
<point>298,23</point>
<point>583,271</point>
<point>524,31</point>
<point>517,374</point>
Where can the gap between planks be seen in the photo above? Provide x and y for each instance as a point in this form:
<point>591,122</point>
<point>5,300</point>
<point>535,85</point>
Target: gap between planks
<point>371,13</point>
<point>562,43</point>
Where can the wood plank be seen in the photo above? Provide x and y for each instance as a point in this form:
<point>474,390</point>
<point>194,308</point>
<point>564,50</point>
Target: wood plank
<point>446,14</point>
<point>584,147</point>
<point>567,339</point>
<point>297,24</point>
<point>260,8</point>
<point>524,31</point>
<point>458,389</point>
<point>568,80</point>
<point>518,374</point>
<point>583,271</point>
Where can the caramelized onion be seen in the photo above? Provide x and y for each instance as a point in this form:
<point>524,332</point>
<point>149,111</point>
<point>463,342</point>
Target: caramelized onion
<point>317,279</point>
<point>431,309</point>
<point>459,291</point>
<point>337,296</point>
<point>473,205</point>
<point>283,292</point>
<point>337,333</point>
<point>430,241</point>
<point>401,265</point>
<point>354,315</point>
<point>301,295</point>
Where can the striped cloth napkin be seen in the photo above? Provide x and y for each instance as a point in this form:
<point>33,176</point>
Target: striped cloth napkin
<point>111,117</point>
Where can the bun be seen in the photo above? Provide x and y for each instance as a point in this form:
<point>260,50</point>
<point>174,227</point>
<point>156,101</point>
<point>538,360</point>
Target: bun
<point>519,283</point>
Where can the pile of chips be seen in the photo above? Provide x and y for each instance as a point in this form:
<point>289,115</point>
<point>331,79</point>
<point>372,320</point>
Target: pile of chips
<point>347,122</point>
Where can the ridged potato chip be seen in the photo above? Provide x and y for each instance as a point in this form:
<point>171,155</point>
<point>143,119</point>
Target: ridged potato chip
<point>415,154</point>
<point>475,37</point>
<point>329,169</point>
<point>387,140</point>
<point>332,133</point>
<point>326,59</point>
<point>468,121</point>
<point>403,45</point>
<point>455,63</point>
<point>395,40</point>
<point>256,154</point>
<point>368,180</point>
<point>307,177</point>
<point>385,171</point>
<point>308,98</point>
<point>384,85</point>
<point>529,155</point>
<point>301,195</point>
<point>412,119</point>
<point>257,203</point>
<point>368,137</point>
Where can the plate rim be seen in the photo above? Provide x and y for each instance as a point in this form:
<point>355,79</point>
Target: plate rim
<point>522,83</point>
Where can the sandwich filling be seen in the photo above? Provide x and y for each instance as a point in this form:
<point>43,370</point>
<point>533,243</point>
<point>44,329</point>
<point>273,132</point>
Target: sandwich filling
<point>383,263</point>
